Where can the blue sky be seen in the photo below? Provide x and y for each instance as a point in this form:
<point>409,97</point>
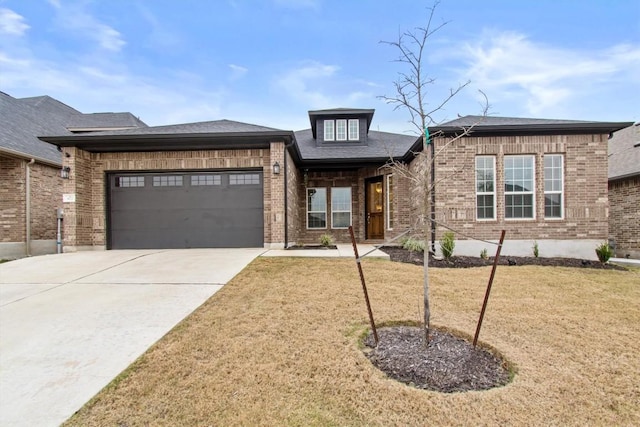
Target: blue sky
<point>268,62</point>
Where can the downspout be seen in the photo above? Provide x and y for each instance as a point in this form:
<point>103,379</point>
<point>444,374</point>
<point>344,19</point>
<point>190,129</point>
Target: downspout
<point>286,201</point>
<point>28,207</point>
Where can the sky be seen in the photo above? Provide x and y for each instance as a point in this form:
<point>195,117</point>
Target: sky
<point>268,62</point>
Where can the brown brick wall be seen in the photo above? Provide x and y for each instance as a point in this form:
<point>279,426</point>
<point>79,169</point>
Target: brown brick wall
<point>624,218</point>
<point>46,196</point>
<point>85,220</point>
<point>295,218</point>
<point>585,186</point>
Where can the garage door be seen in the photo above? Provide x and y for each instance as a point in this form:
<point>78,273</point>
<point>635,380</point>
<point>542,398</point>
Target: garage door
<point>186,210</point>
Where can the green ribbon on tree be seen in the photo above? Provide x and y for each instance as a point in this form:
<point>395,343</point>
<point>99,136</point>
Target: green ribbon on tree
<point>426,135</point>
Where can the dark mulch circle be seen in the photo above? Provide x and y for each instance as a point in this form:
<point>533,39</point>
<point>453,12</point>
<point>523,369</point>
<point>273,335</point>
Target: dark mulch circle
<point>403,255</point>
<point>449,364</point>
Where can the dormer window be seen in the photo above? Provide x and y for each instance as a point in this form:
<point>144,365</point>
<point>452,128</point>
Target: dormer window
<point>342,130</point>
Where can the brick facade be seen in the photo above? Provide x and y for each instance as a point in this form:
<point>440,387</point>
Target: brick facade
<point>12,200</point>
<point>624,218</point>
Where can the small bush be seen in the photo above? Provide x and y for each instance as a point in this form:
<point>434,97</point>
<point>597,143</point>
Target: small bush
<point>326,240</point>
<point>604,252</point>
<point>484,254</point>
<point>413,245</point>
<point>447,244</point>
<point>536,250</point>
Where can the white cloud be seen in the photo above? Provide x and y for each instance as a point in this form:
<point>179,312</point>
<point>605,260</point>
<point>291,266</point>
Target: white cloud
<point>237,71</point>
<point>547,80</point>
<point>12,23</point>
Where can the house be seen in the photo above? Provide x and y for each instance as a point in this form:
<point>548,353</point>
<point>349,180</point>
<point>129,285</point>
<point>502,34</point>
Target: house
<point>30,177</point>
<point>624,192</point>
<point>230,184</point>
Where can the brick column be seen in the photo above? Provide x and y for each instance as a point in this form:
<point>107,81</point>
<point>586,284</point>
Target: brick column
<point>276,184</point>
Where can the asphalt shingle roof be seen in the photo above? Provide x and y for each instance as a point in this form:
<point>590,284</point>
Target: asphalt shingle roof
<point>482,121</point>
<point>624,152</point>
<point>104,120</point>
<point>380,145</point>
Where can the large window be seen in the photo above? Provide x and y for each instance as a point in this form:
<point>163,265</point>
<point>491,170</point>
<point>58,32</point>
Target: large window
<point>485,187</point>
<point>340,207</point>
<point>389,203</point>
<point>316,208</point>
<point>519,179</point>
<point>329,131</point>
<point>354,129</point>
<point>553,185</point>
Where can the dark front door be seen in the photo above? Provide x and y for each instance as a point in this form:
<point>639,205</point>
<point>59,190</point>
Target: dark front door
<point>207,209</point>
<point>374,208</point>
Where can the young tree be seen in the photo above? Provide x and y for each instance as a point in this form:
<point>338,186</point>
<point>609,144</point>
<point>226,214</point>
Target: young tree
<point>411,94</point>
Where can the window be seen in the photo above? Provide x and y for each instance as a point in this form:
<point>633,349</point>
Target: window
<point>341,130</point>
<point>316,208</point>
<point>354,129</point>
<point>340,207</point>
<point>167,181</point>
<point>198,180</point>
<point>130,181</point>
<point>518,187</point>
<point>244,179</point>
<point>389,202</point>
<point>328,130</point>
<point>485,187</point>
<point>553,185</point>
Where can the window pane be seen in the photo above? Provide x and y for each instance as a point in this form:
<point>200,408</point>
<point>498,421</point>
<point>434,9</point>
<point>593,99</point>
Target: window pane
<point>341,130</point>
<point>341,199</point>
<point>167,181</point>
<point>130,181</point>
<point>317,199</point>
<point>317,220</point>
<point>354,129</point>
<point>328,130</point>
<point>485,206</point>
<point>341,219</point>
<point>485,187</point>
<point>390,202</point>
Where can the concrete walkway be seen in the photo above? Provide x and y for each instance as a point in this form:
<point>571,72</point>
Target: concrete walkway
<point>342,251</point>
<point>71,323</point>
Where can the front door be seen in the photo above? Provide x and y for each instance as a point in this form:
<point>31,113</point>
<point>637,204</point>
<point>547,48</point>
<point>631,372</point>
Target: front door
<point>374,208</point>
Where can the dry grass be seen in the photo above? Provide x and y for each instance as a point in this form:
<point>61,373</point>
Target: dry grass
<point>279,346</point>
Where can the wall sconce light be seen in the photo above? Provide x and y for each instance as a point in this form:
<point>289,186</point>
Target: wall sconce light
<point>64,172</point>
<point>276,168</point>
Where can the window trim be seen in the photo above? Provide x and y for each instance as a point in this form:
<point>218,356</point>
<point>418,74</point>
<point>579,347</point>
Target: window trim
<point>532,192</point>
<point>342,211</point>
<point>561,192</point>
<point>351,136</point>
<point>324,189</point>
<point>329,135</point>
<point>389,201</point>
<point>487,193</point>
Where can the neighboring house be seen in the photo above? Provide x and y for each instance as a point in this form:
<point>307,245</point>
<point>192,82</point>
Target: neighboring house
<point>30,178</point>
<point>231,184</point>
<point>624,192</point>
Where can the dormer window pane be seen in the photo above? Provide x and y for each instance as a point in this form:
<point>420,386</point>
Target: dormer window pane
<point>328,130</point>
<point>341,130</point>
<point>354,129</point>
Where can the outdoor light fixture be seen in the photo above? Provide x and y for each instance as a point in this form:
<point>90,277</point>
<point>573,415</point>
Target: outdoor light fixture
<point>276,168</point>
<point>64,172</point>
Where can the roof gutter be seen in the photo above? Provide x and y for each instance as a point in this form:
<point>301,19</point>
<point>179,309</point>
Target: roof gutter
<point>18,155</point>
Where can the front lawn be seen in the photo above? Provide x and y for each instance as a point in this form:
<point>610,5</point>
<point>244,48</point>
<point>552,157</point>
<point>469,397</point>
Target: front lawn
<point>279,345</point>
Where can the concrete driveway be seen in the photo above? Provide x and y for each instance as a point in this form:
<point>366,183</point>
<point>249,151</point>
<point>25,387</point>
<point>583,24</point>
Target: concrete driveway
<point>70,323</point>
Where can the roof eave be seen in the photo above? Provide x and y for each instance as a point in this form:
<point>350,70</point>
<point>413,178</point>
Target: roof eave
<point>16,154</point>
<point>534,129</point>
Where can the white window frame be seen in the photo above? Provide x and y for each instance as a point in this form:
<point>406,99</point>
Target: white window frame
<point>341,130</point>
<point>334,210</point>
<point>531,192</point>
<point>329,130</point>
<point>354,129</point>
<point>317,189</point>
<point>487,193</point>
<point>553,178</point>
<point>389,201</point>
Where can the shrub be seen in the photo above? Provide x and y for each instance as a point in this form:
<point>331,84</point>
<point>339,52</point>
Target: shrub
<point>326,240</point>
<point>447,244</point>
<point>413,245</point>
<point>604,252</point>
<point>484,254</point>
<point>536,251</point>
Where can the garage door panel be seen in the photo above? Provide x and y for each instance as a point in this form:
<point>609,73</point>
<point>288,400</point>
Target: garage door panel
<point>187,216</point>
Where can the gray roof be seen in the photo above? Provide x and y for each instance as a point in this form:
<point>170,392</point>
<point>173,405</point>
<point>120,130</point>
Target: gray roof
<point>380,146</point>
<point>624,152</point>
<point>518,125</point>
<point>103,121</point>
<point>23,120</point>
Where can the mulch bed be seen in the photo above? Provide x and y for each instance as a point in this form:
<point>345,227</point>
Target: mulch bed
<point>403,255</point>
<point>449,364</point>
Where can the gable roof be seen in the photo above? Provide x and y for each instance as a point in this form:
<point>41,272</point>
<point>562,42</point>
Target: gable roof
<point>380,147</point>
<point>22,120</point>
<point>340,113</point>
<point>186,136</point>
<point>492,125</point>
<point>103,121</point>
<point>624,153</point>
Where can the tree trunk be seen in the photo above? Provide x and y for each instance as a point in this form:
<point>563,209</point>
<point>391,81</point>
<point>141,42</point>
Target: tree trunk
<point>427,310</point>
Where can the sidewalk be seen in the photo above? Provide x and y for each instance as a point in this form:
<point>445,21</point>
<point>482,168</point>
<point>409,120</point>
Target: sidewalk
<point>625,261</point>
<point>342,251</point>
